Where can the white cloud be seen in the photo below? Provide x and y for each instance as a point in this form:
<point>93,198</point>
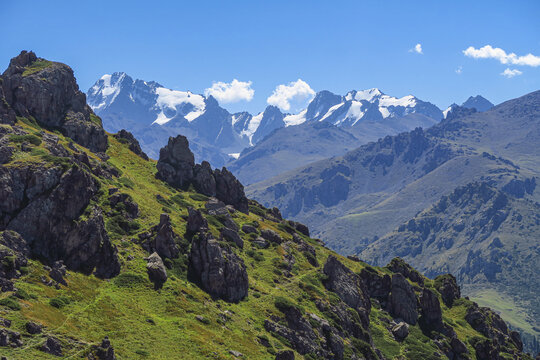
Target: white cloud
<point>417,49</point>
<point>231,92</point>
<point>510,73</point>
<point>284,94</point>
<point>489,52</point>
<point>459,70</point>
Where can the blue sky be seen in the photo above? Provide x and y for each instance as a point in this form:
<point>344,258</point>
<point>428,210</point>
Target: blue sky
<point>332,45</point>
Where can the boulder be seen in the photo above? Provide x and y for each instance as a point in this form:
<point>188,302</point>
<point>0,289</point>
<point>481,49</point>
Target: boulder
<point>218,270</point>
<point>260,243</point>
<point>33,328</point>
<point>232,236</point>
<point>397,265</point>
<point>458,346</point>
<point>125,136</point>
<point>10,338</point>
<point>104,351</point>
<point>51,95</point>
<point>249,229</point>
<point>58,271</point>
<point>196,221</point>
<point>157,273</point>
<point>52,346</point>
<point>271,236</point>
<point>400,330</point>
<point>402,300</point>
<point>309,252</point>
<point>130,209</point>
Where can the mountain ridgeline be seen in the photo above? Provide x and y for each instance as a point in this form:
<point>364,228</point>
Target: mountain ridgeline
<point>106,254</point>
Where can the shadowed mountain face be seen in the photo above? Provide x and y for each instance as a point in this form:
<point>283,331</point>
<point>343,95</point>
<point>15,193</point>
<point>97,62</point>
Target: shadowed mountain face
<point>357,199</point>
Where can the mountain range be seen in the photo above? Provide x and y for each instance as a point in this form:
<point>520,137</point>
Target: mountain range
<point>106,254</point>
<point>460,196</point>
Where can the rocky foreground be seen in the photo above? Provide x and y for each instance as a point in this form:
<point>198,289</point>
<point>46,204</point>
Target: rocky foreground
<point>105,254</point>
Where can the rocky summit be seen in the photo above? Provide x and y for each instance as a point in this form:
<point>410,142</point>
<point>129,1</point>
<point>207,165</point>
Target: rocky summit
<point>106,254</point>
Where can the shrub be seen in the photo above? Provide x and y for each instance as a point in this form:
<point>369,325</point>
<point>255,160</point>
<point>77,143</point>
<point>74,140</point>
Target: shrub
<point>126,182</point>
<point>60,301</point>
<point>10,302</point>
<point>257,210</point>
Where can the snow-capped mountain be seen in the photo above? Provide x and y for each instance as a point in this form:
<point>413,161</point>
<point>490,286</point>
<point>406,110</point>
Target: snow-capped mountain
<point>477,102</point>
<point>153,112</point>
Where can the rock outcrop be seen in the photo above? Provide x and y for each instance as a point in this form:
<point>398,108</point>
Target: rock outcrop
<point>403,302</point>
<point>196,221</point>
<point>52,346</point>
<point>157,273</point>
<point>48,92</point>
<point>165,239</point>
<point>13,255</point>
<point>177,167</point>
<point>448,287</point>
<point>218,269</point>
<point>125,136</point>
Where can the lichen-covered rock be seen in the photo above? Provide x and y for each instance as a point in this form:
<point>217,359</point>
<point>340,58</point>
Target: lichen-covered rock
<point>403,302</point>
<point>157,273</point>
<point>127,137</point>
<point>218,269</point>
<point>50,94</point>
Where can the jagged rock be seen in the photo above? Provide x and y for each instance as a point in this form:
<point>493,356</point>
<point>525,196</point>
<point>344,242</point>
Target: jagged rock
<point>301,228</point>
<point>516,339</point>
<point>215,206</point>
<point>130,207</point>
<point>309,252</point>
<point>52,346</point>
<point>458,346</point>
<point>347,285</point>
<point>7,115</point>
<point>402,300</point>
<point>400,330</point>
<point>126,136</point>
<point>157,273</point>
<point>176,162</point>
<point>33,328</point>
<point>230,190</point>
<point>260,243</point>
<point>105,351</point>
<point>164,243</point>
<point>58,271</point>
<point>271,236</point>
<point>248,229</point>
<point>195,221</point>
<point>378,286</point>
<point>350,324</point>
<point>274,214</point>
<point>176,166</point>
<point>430,309</point>
<point>13,255</point>
<point>298,332</point>
<point>219,270</point>
<point>42,206</point>
<point>10,338</point>
<point>397,265</point>
<point>487,350</point>
<point>487,322</point>
<point>285,355</point>
<point>449,289</point>
<point>52,96</point>
<point>5,322</point>
<point>232,236</point>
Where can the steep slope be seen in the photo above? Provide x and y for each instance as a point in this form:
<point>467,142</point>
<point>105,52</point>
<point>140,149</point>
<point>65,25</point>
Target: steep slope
<point>290,147</point>
<point>193,277</point>
<point>355,200</point>
<point>477,102</point>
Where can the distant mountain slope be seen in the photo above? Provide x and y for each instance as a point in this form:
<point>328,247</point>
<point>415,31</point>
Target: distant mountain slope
<point>357,199</point>
<point>290,147</point>
<point>478,102</point>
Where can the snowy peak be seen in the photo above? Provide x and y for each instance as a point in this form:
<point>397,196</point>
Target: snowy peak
<point>477,102</point>
<point>107,88</point>
<point>367,95</point>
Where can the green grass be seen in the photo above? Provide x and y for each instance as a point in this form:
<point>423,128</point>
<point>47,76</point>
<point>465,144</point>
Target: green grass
<point>36,66</point>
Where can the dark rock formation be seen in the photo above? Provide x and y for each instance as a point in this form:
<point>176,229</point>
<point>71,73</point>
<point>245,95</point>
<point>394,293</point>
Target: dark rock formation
<point>448,287</point>
<point>52,346</point>
<point>232,236</point>
<point>195,221</point>
<point>13,255</point>
<point>271,236</point>
<point>125,136</point>
<point>104,351</point>
<point>10,338</point>
<point>165,239</point>
<point>260,243</point>
<point>397,265</point>
<point>177,167</point>
<point>402,300</point>
<point>33,328</point>
<point>458,346</point>
<point>431,313</point>
<point>400,330</point>
<point>309,252</point>
<point>285,355</point>
<point>48,92</point>
<point>218,269</point>
<point>58,271</point>
<point>156,270</point>
<point>248,229</point>
<point>42,204</point>
<point>347,285</point>
<point>129,208</point>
